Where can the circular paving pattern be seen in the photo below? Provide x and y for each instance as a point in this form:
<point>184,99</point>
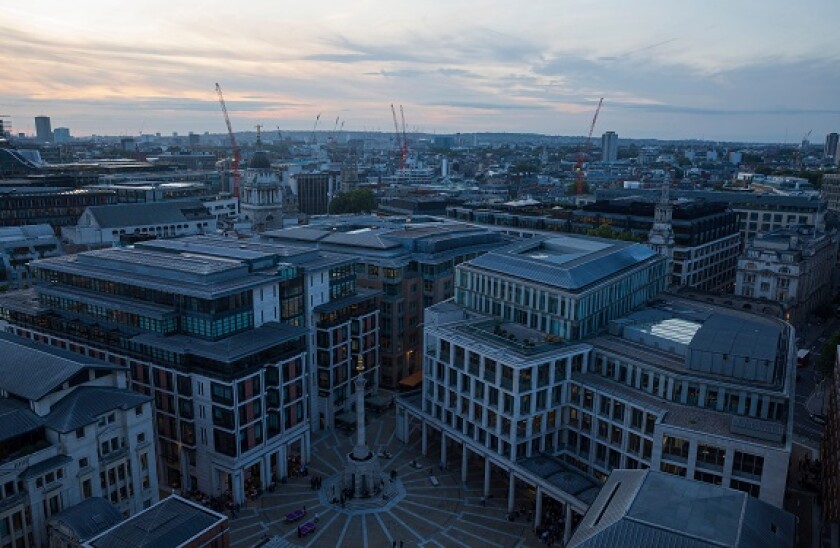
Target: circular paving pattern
<point>416,512</point>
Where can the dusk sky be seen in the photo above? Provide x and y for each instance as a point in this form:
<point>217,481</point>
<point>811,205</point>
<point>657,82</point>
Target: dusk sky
<point>717,69</point>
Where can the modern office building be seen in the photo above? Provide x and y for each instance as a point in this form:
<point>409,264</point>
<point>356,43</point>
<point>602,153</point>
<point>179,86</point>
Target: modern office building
<point>791,266</point>
<point>830,148</point>
<point>173,522</point>
<point>412,264</point>
<point>830,454</point>
<point>70,430</point>
<point>757,212</point>
<point>56,207</point>
<point>314,191</point>
<point>225,334</point>
<point>43,129</point>
<point>649,508</point>
<point>609,147</point>
<point>18,246</point>
<point>561,350</point>
<point>830,191</point>
<point>61,135</point>
<point>109,225</point>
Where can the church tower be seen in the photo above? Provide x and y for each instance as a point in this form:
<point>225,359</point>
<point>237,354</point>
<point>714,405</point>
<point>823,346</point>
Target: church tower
<point>261,196</point>
<point>661,236</point>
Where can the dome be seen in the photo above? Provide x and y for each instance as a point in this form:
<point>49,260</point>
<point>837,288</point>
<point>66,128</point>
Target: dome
<point>259,161</point>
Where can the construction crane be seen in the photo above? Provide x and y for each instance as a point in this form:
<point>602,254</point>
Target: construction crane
<point>404,149</point>
<point>233,145</point>
<point>315,127</point>
<point>585,150</point>
<point>398,137</point>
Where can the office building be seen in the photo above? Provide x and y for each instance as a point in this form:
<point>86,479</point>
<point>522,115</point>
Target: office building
<point>757,212</point>
<point>61,135</point>
<point>314,191</point>
<point>830,453</point>
<point>830,148</point>
<point>112,224</point>
<point>609,147</point>
<point>43,129</point>
<point>68,433</point>
<point>645,507</point>
<point>173,522</point>
<point>56,207</point>
<point>557,363</point>
<point>830,191</point>
<point>412,264</point>
<point>18,246</point>
<point>218,330</point>
<point>793,266</point>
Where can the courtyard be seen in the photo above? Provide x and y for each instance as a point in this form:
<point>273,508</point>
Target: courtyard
<point>416,513</point>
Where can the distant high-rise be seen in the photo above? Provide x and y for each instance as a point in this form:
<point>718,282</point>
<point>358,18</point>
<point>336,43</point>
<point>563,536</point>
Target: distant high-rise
<point>61,135</point>
<point>830,150</point>
<point>609,147</point>
<point>43,129</point>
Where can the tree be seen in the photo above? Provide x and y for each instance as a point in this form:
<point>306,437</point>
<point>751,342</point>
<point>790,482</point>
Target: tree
<point>571,188</point>
<point>828,355</point>
<point>355,201</point>
<point>603,231</point>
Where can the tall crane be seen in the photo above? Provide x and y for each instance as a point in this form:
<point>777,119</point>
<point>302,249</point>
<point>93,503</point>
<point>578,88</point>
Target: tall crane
<point>398,136</point>
<point>585,150</point>
<point>233,145</point>
<point>315,127</point>
<point>404,149</point>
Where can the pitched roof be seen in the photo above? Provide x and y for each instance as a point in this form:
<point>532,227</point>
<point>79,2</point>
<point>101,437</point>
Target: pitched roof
<point>155,213</point>
<point>655,509</point>
<point>88,518</point>
<point>84,406</point>
<point>171,522</point>
<point>33,371</point>
<point>16,419</point>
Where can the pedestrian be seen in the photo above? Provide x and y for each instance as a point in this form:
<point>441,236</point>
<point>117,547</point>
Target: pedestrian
<point>299,535</point>
<point>401,544</point>
<point>304,508</point>
<point>394,544</point>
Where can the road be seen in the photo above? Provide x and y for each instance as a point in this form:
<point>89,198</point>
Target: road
<point>812,337</point>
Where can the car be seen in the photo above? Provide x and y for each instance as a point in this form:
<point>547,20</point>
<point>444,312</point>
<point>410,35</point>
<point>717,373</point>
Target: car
<point>817,418</point>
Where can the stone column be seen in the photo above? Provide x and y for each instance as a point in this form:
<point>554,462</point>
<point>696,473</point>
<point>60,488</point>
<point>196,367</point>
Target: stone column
<point>538,512</point>
<point>442,450</point>
<point>238,485</point>
<point>567,527</point>
<point>511,490</point>
<point>307,447</point>
<point>282,462</point>
<point>424,441</point>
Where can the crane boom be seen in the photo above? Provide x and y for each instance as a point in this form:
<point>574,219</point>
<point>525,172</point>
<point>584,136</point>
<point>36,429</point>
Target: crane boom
<point>404,150</point>
<point>315,127</point>
<point>398,136</point>
<point>585,150</point>
<point>233,144</point>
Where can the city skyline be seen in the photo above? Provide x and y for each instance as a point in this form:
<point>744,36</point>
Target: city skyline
<point>747,72</point>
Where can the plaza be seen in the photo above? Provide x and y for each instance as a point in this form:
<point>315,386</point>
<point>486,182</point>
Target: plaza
<point>417,512</point>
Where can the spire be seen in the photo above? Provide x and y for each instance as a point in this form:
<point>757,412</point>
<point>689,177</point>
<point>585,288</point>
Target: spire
<point>259,139</point>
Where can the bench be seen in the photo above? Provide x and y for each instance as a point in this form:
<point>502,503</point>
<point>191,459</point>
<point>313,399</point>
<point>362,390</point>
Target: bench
<point>434,481</point>
<point>296,515</point>
<point>306,528</point>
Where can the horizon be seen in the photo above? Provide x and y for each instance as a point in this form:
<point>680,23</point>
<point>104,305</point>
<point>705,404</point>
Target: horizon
<point>756,72</point>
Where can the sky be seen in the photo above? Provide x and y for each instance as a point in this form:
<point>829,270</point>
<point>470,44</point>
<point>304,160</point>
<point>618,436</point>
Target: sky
<point>726,70</point>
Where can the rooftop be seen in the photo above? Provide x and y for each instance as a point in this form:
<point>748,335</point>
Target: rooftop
<point>566,262</point>
<point>154,213</point>
<point>659,510</point>
<point>88,518</point>
<point>171,522</point>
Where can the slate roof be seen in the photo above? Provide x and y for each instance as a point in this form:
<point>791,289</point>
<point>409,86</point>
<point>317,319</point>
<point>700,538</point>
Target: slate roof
<point>155,213</point>
<point>167,524</point>
<point>88,518</point>
<point>32,372</point>
<point>659,510</point>
<point>566,262</point>
<point>16,419</point>
<point>84,406</point>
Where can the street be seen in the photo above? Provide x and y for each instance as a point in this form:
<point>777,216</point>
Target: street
<point>813,337</point>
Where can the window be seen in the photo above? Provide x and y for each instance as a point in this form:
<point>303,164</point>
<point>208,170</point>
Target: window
<point>710,456</point>
<point>83,462</point>
<point>141,437</point>
<point>747,464</point>
<point>675,448</point>
<point>138,410</point>
<point>80,433</point>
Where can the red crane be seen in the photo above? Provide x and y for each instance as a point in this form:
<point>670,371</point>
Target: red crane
<point>585,150</point>
<point>233,145</point>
